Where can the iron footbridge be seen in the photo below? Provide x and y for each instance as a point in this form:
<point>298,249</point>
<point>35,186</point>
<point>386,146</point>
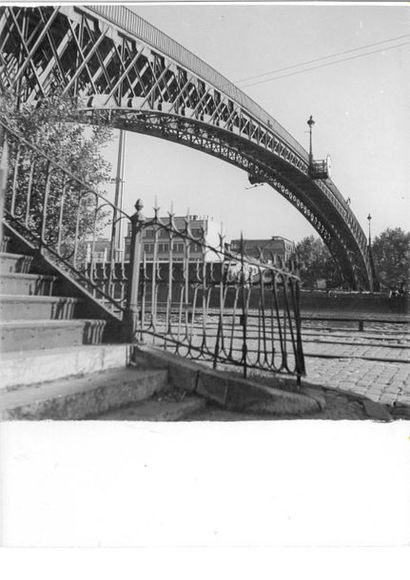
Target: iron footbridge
<point>125,72</point>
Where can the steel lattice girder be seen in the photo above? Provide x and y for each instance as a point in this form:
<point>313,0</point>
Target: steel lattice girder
<point>114,61</point>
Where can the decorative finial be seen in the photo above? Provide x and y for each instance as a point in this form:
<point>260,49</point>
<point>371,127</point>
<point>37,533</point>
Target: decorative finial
<point>310,122</point>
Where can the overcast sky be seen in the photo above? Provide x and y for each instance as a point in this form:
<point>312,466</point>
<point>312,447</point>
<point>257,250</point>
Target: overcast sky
<point>361,108</point>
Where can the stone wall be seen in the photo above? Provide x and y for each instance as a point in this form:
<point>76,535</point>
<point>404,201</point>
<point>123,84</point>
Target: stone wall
<point>354,301</point>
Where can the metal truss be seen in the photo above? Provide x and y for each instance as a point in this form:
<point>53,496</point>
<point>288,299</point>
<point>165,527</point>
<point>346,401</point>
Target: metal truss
<point>301,193</point>
<point>112,60</point>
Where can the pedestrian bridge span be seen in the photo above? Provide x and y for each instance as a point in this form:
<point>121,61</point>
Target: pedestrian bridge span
<point>125,72</point>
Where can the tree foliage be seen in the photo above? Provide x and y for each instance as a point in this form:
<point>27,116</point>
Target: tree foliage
<point>391,256</point>
<point>316,263</point>
<point>73,212</point>
<point>52,125</point>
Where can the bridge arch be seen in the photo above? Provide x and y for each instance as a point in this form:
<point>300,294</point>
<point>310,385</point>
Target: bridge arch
<point>125,72</point>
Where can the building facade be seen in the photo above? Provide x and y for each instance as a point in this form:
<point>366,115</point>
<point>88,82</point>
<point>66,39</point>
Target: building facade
<point>159,242</point>
<point>99,251</point>
<point>277,251</point>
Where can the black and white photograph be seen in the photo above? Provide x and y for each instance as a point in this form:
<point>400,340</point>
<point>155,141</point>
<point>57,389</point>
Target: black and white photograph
<point>205,255</point>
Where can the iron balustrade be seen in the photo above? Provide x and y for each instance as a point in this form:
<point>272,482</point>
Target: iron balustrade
<point>60,216</point>
<point>222,307</point>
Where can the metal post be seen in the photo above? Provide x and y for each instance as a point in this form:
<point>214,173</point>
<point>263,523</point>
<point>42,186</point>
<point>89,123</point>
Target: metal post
<point>369,217</point>
<point>44,216</point>
<point>310,122</point>
<point>3,176</point>
<point>118,202</point>
<point>375,286</point>
<point>119,192</point>
<point>244,316</point>
<point>131,317</point>
<point>221,306</point>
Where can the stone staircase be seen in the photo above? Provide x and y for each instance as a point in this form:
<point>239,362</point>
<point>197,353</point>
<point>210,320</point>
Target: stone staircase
<point>57,363</point>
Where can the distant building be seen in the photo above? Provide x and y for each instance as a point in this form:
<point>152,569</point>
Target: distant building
<point>204,229</point>
<point>277,251</point>
<point>101,253</point>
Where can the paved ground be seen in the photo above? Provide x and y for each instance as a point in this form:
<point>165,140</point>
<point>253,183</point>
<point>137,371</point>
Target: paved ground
<point>374,363</point>
<point>381,381</point>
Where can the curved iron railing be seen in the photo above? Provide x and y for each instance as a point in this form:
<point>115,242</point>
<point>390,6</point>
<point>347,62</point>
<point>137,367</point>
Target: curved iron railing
<point>183,294</point>
<point>206,303</point>
<point>60,215</point>
<point>137,26</point>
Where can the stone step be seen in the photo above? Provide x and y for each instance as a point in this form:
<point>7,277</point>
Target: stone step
<point>36,307</point>
<point>17,335</point>
<point>162,408</point>
<point>30,366</point>
<point>26,284</point>
<point>11,263</point>
<point>78,398</point>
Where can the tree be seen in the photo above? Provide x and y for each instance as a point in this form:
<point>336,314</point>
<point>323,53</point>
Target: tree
<point>315,263</point>
<point>73,212</point>
<point>53,126</point>
<point>391,256</point>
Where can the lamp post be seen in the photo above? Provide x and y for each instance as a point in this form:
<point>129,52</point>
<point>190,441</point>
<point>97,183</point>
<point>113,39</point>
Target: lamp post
<point>119,188</point>
<point>369,217</point>
<point>117,222</point>
<point>310,122</point>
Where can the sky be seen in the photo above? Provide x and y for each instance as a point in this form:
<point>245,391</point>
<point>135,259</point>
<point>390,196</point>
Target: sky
<point>360,107</point>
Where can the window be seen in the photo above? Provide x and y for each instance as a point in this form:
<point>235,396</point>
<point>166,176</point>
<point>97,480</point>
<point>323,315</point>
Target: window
<point>100,256</point>
<point>179,248</point>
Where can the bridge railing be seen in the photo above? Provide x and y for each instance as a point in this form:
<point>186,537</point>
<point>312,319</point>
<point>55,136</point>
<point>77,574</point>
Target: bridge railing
<point>59,215</point>
<point>135,25</point>
<point>180,293</point>
<point>263,128</point>
<point>206,303</point>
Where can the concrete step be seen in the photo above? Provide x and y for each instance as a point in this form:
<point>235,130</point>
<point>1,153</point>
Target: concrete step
<point>11,263</point>
<point>36,307</point>
<point>78,398</point>
<point>26,284</point>
<point>31,366</point>
<point>158,408</point>
<point>17,335</point>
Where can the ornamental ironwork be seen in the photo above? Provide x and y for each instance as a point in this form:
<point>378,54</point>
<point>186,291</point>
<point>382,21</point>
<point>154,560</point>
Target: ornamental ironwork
<point>125,71</point>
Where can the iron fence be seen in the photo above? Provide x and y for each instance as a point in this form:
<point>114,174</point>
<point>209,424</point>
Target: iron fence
<point>210,304</point>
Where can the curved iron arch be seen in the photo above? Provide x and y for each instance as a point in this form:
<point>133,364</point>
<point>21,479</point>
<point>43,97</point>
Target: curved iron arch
<point>297,190</point>
<point>112,60</point>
